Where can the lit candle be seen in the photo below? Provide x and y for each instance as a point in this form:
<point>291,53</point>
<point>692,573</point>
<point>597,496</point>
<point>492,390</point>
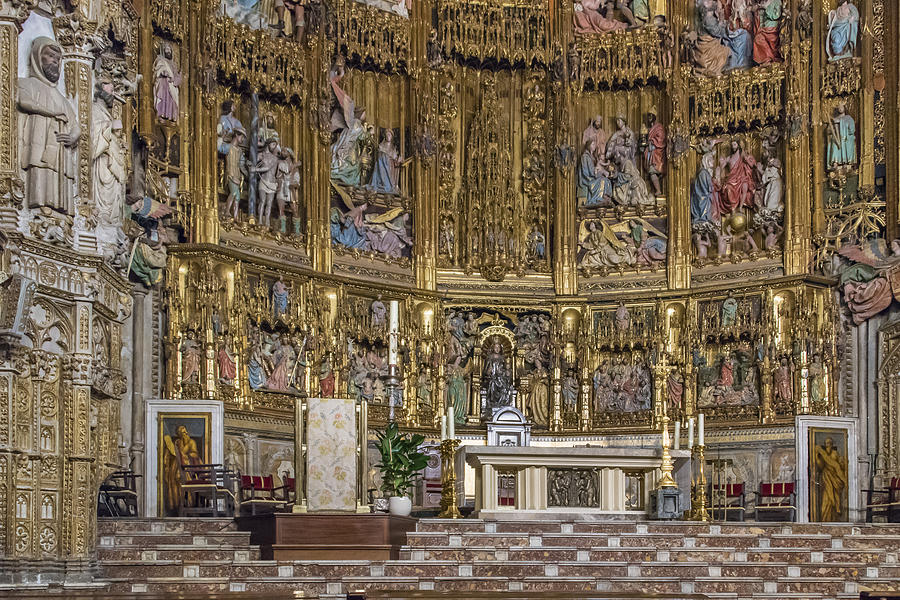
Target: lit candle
<point>443,427</point>
<point>395,328</point>
<point>691,433</point>
<point>451,427</point>
<point>677,435</point>
<point>700,435</point>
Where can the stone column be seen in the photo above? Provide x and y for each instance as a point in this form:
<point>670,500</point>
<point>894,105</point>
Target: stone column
<point>141,376</point>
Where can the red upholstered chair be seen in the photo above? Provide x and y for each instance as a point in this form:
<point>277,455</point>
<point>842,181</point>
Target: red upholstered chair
<point>776,502</point>
<point>728,502</point>
<point>258,494</point>
<point>288,488</point>
<point>884,503</point>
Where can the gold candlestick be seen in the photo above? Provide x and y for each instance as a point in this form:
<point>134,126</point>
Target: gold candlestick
<point>449,509</point>
<point>666,480</point>
<point>698,498</point>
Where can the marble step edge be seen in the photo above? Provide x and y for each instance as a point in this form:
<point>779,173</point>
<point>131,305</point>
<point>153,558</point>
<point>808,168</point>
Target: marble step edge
<point>722,549</point>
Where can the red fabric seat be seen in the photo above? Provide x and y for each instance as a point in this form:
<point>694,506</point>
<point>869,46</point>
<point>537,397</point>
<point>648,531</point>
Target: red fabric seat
<point>775,502</point>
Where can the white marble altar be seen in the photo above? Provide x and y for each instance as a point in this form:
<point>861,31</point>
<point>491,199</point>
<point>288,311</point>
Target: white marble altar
<point>532,467</point>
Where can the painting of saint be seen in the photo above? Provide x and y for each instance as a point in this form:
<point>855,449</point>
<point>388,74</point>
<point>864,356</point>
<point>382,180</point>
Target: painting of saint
<point>184,439</point>
<point>828,474</point>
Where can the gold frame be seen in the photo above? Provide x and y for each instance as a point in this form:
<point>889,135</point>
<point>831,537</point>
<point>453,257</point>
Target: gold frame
<point>206,451</point>
<point>843,451</point>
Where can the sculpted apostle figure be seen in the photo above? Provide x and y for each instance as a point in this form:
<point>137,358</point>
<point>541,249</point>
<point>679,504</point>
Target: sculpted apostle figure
<point>49,131</point>
<point>108,158</point>
<point>167,83</point>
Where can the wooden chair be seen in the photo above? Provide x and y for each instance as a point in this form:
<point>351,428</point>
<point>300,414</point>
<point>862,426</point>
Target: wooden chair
<point>118,495</point>
<point>290,489</point>
<point>776,502</point>
<point>206,490</point>
<point>258,494</point>
<point>884,503</point>
<point>728,502</point>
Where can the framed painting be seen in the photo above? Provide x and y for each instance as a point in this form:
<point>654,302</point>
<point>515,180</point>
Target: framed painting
<point>183,439</point>
<point>829,475</point>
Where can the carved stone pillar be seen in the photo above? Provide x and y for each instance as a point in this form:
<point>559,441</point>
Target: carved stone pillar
<point>10,183</point>
<point>141,375</point>
<point>74,37</point>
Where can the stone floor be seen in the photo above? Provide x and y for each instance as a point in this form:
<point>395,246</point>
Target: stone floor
<point>676,560</point>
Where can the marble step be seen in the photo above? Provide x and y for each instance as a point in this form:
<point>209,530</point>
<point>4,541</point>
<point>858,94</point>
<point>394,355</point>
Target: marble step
<point>177,553</point>
<point>109,526</point>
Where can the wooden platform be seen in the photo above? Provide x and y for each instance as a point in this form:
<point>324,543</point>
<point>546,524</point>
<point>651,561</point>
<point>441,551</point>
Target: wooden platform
<point>291,536</point>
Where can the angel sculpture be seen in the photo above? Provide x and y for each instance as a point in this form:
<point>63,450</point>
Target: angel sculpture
<point>871,278</point>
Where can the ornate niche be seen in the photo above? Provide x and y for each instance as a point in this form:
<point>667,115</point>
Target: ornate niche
<point>491,208</point>
<point>495,378</point>
<point>619,365</point>
<point>729,356</point>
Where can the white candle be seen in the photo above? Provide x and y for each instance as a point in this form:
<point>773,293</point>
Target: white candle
<point>443,427</point>
<point>451,427</point>
<point>395,328</point>
<point>665,435</point>
<point>677,435</point>
<point>700,435</point>
<point>691,433</point>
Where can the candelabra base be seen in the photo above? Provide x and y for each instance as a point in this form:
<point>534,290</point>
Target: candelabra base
<point>665,504</point>
<point>449,508</point>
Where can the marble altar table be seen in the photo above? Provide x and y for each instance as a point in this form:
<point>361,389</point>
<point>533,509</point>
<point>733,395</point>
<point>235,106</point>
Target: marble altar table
<point>516,482</point>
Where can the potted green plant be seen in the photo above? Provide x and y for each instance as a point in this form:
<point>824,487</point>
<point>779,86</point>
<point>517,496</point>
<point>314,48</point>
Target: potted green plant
<point>401,463</point>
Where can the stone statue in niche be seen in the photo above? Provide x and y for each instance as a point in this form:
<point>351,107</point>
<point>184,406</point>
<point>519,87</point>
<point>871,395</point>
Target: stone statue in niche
<point>729,311</point>
<point>841,138</point>
<point>536,244</point>
<point>843,30</point>
<point>629,187</point>
<point>458,389</point>
<point>225,360</point>
<point>167,83</point>
<point>423,388</point>
<point>497,386</point>
<point>108,158</point>
<point>50,131</point>
<point>267,186</point>
<point>287,176</point>
<point>655,151</point>
<point>326,378</point>
<point>234,174</point>
<point>280,298</point>
<point>569,391</point>
<point>434,53</point>
<point>623,318</point>
<point>378,313</point>
<point>773,186</point>
<point>225,130</point>
<point>784,384</point>
<point>539,396</point>
<point>674,391</point>
<point>191,356</point>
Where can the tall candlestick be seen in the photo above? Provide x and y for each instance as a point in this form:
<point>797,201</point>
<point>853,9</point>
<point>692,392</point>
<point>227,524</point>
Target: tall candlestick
<point>394,331</point>
<point>677,435</point>
<point>691,433</point>
<point>700,435</point>
<point>443,427</point>
<point>451,427</point>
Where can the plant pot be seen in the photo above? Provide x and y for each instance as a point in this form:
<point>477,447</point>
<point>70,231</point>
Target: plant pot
<point>400,506</point>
